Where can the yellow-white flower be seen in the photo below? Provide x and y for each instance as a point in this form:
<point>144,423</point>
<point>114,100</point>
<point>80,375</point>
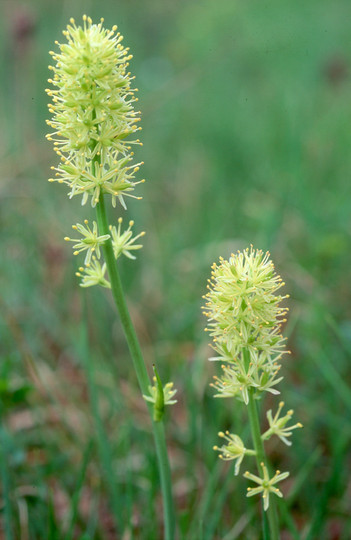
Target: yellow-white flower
<point>123,242</point>
<point>277,425</point>
<point>266,485</point>
<point>93,274</point>
<point>233,450</point>
<point>90,241</point>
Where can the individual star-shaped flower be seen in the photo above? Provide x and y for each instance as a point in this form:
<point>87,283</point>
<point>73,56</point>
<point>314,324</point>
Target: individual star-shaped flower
<point>266,485</point>
<point>94,274</point>
<point>235,449</point>
<point>123,242</point>
<point>277,425</point>
<point>90,240</point>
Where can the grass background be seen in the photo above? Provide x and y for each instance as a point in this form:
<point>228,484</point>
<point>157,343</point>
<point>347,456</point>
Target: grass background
<point>246,128</point>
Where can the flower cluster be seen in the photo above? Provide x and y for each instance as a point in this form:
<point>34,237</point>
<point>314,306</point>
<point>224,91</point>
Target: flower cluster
<point>245,320</point>
<point>92,118</point>
<point>122,242</point>
<point>93,113</point>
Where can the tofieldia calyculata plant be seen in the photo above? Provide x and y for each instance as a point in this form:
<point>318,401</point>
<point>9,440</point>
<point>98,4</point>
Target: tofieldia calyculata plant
<point>244,320</point>
<point>94,127</point>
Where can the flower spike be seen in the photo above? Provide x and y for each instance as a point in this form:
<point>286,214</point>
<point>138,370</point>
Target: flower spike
<point>245,318</point>
<point>93,128</point>
<point>244,314</point>
<point>93,114</point>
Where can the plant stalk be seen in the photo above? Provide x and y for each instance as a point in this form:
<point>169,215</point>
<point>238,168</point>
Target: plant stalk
<point>261,456</point>
<point>140,369</point>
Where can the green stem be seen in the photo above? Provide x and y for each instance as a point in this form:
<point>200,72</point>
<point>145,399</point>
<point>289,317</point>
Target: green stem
<point>103,443</point>
<point>140,369</point>
<point>4,453</point>
<point>261,455</point>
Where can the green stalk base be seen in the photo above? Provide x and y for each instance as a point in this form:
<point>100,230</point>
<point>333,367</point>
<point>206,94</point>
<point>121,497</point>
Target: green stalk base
<point>140,369</point>
<point>262,458</point>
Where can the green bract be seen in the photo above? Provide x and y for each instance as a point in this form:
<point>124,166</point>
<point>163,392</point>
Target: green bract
<point>92,113</point>
<point>160,396</point>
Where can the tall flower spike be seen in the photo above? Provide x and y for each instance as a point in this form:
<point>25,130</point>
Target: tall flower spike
<point>94,127</point>
<point>93,114</point>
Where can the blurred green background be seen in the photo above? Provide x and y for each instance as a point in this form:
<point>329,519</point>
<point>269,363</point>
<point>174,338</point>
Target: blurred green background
<point>246,109</point>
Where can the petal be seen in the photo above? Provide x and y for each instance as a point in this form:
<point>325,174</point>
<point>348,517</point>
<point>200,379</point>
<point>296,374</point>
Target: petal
<point>265,498</point>
<point>279,478</point>
<point>254,491</point>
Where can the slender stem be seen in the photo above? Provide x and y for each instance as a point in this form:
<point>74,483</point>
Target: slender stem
<point>5,482</point>
<point>141,371</point>
<point>261,454</point>
<point>103,443</point>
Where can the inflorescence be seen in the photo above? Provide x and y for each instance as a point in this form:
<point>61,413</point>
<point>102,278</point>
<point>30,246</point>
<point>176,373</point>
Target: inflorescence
<point>94,126</point>
<point>245,321</point>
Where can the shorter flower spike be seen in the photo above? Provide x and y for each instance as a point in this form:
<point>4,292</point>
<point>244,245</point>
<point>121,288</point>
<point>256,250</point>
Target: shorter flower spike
<point>93,274</point>
<point>277,425</point>
<point>160,396</point>
<point>245,320</point>
<point>266,485</point>
<point>123,242</point>
<point>234,449</point>
<point>90,240</point>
